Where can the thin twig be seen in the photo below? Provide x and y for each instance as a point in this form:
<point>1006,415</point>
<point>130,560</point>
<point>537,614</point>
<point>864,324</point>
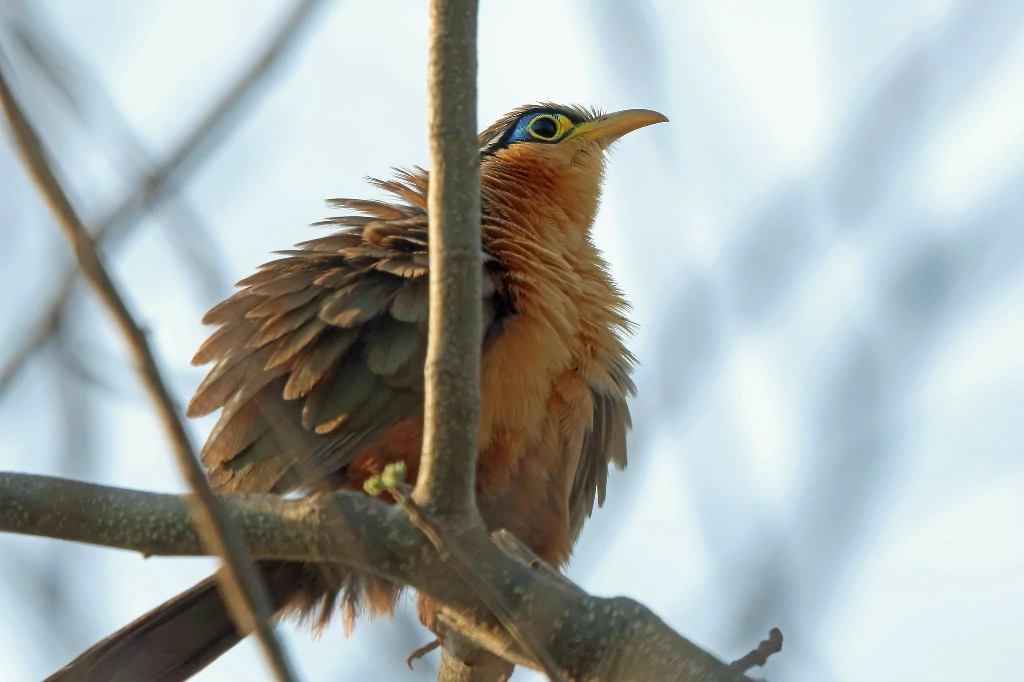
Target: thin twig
<point>452,555</point>
<point>759,656</point>
<point>447,485</point>
<point>246,597</point>
<point>196,148</point>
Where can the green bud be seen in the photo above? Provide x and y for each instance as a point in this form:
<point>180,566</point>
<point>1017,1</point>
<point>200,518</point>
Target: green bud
<point>394,474</point>
<point>374,486</point>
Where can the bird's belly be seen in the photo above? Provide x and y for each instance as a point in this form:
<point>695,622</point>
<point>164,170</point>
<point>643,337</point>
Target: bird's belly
<point>535,410</point>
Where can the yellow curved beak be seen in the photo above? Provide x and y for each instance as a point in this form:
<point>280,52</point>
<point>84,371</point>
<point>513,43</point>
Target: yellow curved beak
<point>607,129</point>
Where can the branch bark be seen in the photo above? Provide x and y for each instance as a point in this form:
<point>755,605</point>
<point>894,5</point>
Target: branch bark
<point>246,597</point>
<point>447,485</point>
<point>610,639</point>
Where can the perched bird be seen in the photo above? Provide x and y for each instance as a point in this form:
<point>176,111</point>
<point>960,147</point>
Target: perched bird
<point>318,375</point>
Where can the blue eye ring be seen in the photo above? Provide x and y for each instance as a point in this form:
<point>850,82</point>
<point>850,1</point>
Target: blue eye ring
<point>519,130</point>
<point>544,127</point>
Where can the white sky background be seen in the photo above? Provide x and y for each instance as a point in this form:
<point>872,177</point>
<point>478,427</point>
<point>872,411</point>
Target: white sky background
<point>824,248</point>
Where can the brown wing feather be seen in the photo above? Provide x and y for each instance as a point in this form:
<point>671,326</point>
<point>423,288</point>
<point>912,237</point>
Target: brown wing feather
<point>603,445</point>
<point>322,351</point>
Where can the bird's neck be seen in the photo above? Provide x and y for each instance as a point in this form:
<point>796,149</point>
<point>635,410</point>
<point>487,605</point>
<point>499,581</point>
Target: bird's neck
<point>537,224</point>
<point>553,205</point>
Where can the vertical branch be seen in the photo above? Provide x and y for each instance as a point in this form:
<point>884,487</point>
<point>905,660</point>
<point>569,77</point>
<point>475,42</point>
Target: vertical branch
<point>447,482</point>
<point>244,592</point>
<point>447,478</point>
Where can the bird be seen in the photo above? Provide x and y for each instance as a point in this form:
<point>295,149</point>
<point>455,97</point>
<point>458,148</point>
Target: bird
<point>318,362</point>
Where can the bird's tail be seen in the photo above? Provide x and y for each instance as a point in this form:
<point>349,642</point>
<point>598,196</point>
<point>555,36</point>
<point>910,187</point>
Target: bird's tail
<point>175,640</point>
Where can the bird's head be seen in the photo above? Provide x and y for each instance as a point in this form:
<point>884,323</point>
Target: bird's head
<point>560,133</point>
<point>555,153</point>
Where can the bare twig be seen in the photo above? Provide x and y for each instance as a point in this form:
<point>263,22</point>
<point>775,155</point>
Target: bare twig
<point>197,146</point>
<point>611,639</point>
<point>446,487</point>
<point>759,656</point>
<point>245,594</point>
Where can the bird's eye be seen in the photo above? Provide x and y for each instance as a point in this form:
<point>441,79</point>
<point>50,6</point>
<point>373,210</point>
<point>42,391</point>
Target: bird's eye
<point>544,128</point>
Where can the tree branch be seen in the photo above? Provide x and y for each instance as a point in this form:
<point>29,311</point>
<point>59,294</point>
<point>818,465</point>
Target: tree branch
<point>245,595</point>
<point>447,486</point>
<point>198,145</point>
<point>613,640</point>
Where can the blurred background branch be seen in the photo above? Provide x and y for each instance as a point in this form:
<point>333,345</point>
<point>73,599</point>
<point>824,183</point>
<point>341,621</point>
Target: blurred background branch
<point>70,82</point>
<point>49,63</point>
<point>246,595</point>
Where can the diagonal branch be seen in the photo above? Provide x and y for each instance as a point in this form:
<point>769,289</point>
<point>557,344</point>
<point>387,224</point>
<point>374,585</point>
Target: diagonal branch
<point>447,486</point>
<point>611,639</point>
<point>195,149</point>
<point>245,594</point>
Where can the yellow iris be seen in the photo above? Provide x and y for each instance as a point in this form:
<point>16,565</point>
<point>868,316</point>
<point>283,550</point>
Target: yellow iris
<point>548,127</point>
